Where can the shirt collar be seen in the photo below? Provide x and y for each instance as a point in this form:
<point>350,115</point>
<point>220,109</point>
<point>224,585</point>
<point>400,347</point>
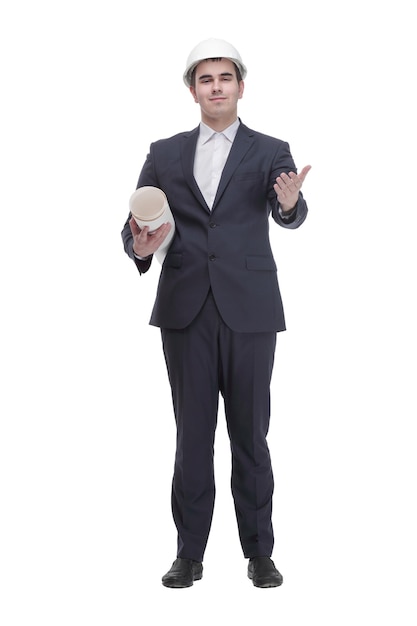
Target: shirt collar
<point>207,133</point>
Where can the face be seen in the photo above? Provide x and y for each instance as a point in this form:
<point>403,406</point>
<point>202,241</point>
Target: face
<point>217,91</point>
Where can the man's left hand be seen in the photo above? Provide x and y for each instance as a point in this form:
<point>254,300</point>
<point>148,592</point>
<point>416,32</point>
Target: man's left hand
<point>288,187</point>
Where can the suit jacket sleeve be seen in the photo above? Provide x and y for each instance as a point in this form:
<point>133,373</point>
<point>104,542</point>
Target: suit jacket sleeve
<point>285,163</point>
<point>142,266</point>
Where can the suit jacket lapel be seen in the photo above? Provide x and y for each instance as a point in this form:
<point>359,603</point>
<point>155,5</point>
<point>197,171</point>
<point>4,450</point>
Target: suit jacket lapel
<point>241,144</point>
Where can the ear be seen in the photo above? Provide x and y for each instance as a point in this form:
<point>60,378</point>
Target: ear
<point>241,88</point>
<point>193,93</point>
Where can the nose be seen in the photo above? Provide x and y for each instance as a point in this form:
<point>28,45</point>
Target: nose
<point>216,86</point>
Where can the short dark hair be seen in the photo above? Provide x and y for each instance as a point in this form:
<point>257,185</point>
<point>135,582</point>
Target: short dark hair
<point>238,74</point>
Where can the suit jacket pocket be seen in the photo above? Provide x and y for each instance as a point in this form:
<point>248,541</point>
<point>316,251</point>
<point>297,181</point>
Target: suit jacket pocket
<point>173,259</point>
<point>265,263</point>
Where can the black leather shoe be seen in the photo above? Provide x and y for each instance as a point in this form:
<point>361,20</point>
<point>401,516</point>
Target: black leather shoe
<point>263,573</point>
<point>183,573</point>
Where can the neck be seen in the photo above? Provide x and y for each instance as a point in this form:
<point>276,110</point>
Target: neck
<point>218,124</point>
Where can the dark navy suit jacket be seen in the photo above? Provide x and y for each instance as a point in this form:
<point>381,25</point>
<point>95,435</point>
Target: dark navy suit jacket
<point>226,249</point>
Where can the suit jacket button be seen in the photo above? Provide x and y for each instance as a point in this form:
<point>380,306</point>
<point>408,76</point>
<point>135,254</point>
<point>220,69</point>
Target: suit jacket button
<point>212,257</point>
<point>212,225</point>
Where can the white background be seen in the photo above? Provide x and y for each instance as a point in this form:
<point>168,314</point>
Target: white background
<point>87,433</point>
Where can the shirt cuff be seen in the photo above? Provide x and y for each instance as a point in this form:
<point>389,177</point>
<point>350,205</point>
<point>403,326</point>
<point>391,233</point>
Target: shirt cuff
<point>288,214</point>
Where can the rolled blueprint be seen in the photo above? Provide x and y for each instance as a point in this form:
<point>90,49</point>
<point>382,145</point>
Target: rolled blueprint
<point>149,206</point>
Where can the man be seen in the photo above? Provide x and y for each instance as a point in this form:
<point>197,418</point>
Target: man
<point>218,304</point>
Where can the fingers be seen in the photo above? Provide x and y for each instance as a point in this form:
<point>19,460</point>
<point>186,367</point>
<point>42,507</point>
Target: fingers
<point>292,182</point>
<point>134,227</point>
<point>288,183</point>
<point>304,173</point>
<point>157,236</point>
<point>145,242</point>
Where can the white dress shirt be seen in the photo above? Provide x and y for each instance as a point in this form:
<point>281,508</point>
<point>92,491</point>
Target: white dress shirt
<point>211,155</point>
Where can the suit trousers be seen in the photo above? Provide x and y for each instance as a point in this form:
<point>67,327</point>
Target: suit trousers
<point>205,360</point>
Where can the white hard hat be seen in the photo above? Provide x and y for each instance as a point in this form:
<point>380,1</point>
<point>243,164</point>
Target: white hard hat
<point>212,49</point>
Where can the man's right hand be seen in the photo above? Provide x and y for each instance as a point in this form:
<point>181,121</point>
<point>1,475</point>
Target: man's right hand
<point>144,242</point>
